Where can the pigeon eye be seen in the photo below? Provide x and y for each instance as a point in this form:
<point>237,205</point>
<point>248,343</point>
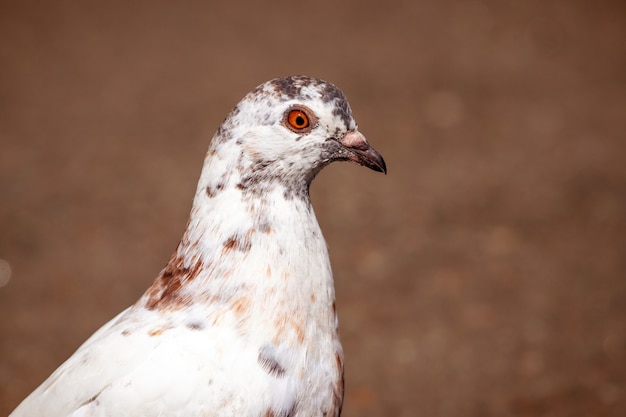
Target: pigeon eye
<point>297,119</point>
<point>300,119</point>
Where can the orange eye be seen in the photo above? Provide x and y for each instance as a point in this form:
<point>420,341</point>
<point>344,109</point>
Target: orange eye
<point>298,119</point>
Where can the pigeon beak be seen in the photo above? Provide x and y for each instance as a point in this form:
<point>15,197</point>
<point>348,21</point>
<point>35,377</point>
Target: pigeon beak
<point>360,152</point>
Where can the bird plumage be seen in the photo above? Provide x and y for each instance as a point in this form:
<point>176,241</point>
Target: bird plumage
<point>241,321</point>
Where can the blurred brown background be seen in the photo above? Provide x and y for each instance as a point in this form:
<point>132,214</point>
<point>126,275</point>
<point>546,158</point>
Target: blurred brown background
<point>484,276</point>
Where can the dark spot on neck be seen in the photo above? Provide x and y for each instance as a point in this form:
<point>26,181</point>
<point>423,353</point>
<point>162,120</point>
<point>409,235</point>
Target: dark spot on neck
<point>91,400</point>
<point>212,191</point>
<point>240,242</point>
<point>269,363</point>
<point>195,325</point>
<point>264,227</point>
<point>263,176</point>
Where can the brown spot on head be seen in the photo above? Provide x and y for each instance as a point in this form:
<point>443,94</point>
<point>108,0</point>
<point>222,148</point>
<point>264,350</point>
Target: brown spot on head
<point>313,298</point>
<point>268,271</point>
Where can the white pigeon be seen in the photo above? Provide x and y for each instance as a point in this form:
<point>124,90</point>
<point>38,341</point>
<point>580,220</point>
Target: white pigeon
<point>241,321</point>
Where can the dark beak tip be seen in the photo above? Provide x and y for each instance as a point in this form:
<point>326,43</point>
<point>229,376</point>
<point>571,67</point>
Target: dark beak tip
<point>383,166</point>
<point>376,162</point>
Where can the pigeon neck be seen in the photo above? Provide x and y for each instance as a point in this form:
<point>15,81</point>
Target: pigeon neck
<point>240,238</point>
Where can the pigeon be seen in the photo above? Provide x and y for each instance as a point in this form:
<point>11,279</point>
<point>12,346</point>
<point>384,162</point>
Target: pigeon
<point>241,321</point>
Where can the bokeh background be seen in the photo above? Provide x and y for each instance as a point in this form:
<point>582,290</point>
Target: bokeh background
<point>484,276</point>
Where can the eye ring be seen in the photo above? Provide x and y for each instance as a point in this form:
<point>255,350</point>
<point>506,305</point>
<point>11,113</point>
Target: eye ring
<point>299,119</point>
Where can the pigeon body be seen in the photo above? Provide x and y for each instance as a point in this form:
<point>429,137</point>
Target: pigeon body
<point>241,321</point>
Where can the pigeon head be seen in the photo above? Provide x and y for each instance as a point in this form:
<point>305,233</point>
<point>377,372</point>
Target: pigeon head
<point>287,130</point>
